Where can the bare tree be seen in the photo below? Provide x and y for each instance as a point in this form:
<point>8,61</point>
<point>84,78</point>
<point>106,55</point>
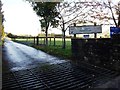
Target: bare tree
<point>110,11</point>
<point>72,12</point>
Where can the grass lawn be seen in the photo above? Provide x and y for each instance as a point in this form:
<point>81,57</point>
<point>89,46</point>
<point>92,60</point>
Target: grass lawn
<point>57,51</point>
<point>51,49</point>
<point>0,43</point>
<point>58,41</point>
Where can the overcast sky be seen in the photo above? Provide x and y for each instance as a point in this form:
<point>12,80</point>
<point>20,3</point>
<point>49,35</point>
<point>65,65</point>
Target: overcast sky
<point>20,17</point>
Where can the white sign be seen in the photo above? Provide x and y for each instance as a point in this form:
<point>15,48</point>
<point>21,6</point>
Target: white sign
<point>85,29</point>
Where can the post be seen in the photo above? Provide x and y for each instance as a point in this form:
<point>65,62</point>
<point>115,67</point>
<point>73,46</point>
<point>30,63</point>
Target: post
<point>14,38</point>
<point>41,41</point>
<point>37,40</point>
<point>50,40</point>
<point>54,41</point>
<point>44,40</point>
<point>34,40</point>
<point>95,34</point>
<point>74,34</point>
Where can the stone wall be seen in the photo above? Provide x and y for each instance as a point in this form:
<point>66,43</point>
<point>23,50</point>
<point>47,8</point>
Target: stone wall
<point>101,52</point>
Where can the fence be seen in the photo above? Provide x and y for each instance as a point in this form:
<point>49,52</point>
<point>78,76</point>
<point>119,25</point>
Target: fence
<point>52,41</point>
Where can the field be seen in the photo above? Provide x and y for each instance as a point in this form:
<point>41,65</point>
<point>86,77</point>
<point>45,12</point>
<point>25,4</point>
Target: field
<point>57,42</point>
<point>53,48</point>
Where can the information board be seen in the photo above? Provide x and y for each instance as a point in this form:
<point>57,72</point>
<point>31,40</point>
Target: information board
<point>89,29</point>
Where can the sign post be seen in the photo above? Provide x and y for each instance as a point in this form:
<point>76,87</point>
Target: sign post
<point>74,26</point>
<point>89,29</point>
<point>95,34</point>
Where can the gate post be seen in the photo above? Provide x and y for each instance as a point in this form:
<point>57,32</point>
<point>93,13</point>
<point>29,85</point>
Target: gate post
<point>74,34</point>
<point>54,41</point>
<point>37,40</point>
<point>34,40</point>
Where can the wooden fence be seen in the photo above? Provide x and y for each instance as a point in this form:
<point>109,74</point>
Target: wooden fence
<point>55,41</point>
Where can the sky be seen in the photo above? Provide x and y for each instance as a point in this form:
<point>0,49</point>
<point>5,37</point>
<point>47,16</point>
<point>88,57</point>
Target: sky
<point>20,18</point>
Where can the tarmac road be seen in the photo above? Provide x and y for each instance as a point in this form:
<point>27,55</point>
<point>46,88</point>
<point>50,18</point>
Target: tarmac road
<point>18,56</point>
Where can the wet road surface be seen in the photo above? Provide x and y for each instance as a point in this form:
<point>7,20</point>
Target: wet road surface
<point>29,69</point>
<point>20,56</point>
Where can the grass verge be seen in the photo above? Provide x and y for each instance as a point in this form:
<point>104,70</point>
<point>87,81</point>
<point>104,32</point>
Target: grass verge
<point>51,49</point>
<point>56,51</point>
<point>0,43</point>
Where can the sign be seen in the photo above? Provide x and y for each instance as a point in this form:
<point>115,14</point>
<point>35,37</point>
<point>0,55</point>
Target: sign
<point>86,36</point>
<point>114,30</point>
<point>89,29</point>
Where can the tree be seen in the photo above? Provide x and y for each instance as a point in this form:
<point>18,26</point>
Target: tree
<point>117,9</point>
<point>118,14</point>
<point>48,15</point>
<point>73,12</point>
<point>1,21</point>
<point>114,10</point>
<point>10,35</point>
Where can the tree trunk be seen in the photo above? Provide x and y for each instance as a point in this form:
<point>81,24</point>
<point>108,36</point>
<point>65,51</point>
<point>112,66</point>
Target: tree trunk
<point>64,42</point>
<point>113,15</point>
<point>46,36</point>
<point>119,19</point>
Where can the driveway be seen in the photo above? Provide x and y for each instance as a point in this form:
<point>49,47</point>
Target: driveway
<point>20,56</point>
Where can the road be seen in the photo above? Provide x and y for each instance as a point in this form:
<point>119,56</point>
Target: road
<point>20,56</point>
<point>26,68</point>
